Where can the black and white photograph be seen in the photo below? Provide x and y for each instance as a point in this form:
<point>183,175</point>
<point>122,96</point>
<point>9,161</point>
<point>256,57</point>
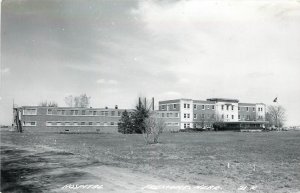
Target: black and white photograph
<point>150,96</point>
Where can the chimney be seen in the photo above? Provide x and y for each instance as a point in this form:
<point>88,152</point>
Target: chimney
<point>153,103</point>
<point>116,106</point>
<point>106,107</point>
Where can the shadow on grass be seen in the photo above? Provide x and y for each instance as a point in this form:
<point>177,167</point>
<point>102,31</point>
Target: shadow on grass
<point>22,171</point>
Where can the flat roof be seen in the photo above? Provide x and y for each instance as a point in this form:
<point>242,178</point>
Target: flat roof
<point>247,104</point>
<point>79,108</point>
<point>223,100</point>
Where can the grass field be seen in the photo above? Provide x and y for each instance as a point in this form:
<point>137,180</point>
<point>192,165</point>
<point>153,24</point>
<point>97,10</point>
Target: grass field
<point>267,161</point>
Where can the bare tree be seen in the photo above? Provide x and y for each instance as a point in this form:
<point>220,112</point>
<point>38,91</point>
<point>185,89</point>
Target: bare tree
<point>78,101</point>
<point>276,115</point>
<point>154,126</point>
<point>48,104</point>
<point>69,100</point>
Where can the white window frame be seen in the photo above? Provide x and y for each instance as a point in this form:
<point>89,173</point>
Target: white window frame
<point>24,110</point>
<point>28,123</point>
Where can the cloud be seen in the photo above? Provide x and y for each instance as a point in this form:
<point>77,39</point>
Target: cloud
<point>5,70</point>
<point>109,82</point>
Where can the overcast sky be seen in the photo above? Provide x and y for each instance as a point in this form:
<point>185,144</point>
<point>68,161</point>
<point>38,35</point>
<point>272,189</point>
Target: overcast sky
<point>115,51</point>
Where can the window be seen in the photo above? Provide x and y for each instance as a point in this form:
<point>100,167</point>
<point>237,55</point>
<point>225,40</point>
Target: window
<point>227,107</point>
<point>168,114</point>
<point>239,108</point>
<point>188,115</point>
<point>119,113</point>
<point>72,112</point>
<point>58,123</point>
<point>207,106</point>
<point>163,107</point>
<point>29,123</point>
<point>184,115</point>
<point>232,116</point>
<point>176,115</point>
<point>222,107</point>
<point>67,123</point>
<point>113,113</point>
<point>222,116</point>
<point>247,108</point>
<point>48,123</point>
<point>188,125</point>
<point>202,116</point>
<point>248,117</point>
<point>75,124</point>
<point>213,107</point>
<point>98,123</point>
<point>232,107</point>
<point>184,125</point>
<point>227,116</point>
<point>63,112</point>
<point>83,112</point>
<point>94,112</point>
<point>76,112</point>
<point>162,114</point>
<point>30,111</point>
<point>239,116</point>
<point>174,106</point>
<point>195,106</point>
<point>106,113</point>
<point>253,109</point>
<point>188,106</point>
<point>195,116</point>
<point>82,123</point>
<point>90,123</point>
<point>105,123</point>
<point>49,112</point>
<point>203,107</point>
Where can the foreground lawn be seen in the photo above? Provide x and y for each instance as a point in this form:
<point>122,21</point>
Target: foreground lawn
<point>268,161</point>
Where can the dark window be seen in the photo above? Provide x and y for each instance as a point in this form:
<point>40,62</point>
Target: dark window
<point>90,123</point>
<point>83,112</point>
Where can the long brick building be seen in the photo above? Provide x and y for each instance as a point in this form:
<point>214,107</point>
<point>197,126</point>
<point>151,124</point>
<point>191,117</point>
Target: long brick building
<point>67,119</point>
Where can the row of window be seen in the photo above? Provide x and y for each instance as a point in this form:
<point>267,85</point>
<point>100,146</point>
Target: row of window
<point>172,124</point>
<point>29,123</point>
<point>83,112</point>
<point>170,115</point>
<point>199,106</point>
<point>69,123</point>
<point>163,107</point>
<point>227,116</point>
<point>187,106</point>
<point>187,115</point>
<point>227,107</point>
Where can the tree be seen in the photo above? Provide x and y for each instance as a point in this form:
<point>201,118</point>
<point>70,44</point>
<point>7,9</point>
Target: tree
<point>78,101</point>
<point>276,115</point>
<point>69,100</point>
<point>139,115</point>
<point>48,104</point>
<point>125,124</point>
<point>154,126</point>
